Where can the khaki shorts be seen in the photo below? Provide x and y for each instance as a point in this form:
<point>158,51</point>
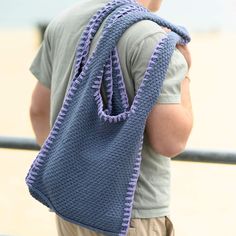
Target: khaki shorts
<point>138,227</point>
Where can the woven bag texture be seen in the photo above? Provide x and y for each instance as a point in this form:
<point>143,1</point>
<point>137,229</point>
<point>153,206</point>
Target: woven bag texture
<point>88,167</point>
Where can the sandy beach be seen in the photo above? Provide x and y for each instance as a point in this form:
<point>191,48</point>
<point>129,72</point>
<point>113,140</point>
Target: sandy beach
<point>203,195</point>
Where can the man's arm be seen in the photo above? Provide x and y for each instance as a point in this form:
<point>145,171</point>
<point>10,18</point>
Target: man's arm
<point>169,125</point>
<point>40,112</point>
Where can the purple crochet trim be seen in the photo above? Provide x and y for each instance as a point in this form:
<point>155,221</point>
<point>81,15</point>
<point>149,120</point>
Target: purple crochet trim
<point>105,114</point>
<point>98,98</point>
<point>116,63</point>
<point>147,75</point>
<point>108,85</point>
<point>129,200</point>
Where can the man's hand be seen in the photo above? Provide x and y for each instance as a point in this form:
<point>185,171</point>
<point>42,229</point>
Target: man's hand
<point>183,49</point>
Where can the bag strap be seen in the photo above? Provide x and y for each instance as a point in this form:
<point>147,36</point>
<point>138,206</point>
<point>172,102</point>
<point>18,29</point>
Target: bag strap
<point>156,71</point>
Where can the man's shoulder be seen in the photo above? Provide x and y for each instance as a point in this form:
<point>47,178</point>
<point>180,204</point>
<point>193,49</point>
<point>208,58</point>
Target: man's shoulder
<point>63,17</point>
<point>75,16</point>
<point>144,28</point>
<point>141,31</point>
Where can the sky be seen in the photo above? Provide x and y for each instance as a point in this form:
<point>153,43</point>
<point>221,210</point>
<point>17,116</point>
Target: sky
<point>201,15</point>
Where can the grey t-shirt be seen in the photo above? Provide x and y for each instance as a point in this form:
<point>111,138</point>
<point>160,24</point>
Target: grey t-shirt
<point>53,67</point>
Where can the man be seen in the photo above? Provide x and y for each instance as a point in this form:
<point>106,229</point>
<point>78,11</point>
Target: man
<point>168,125</point>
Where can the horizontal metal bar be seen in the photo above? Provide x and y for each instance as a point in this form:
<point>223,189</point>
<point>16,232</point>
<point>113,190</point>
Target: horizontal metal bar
<point>209,156</point>
<point>20,143</point>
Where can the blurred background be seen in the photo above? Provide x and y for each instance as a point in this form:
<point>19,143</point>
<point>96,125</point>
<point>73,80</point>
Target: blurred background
<point>203,195</point>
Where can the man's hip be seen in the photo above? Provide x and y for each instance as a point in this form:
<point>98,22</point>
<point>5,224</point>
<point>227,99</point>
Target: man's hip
<point>161,226</point>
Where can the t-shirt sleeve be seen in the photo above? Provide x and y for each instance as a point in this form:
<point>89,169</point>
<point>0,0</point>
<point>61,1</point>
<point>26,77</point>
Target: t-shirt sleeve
<point>171,90</point>
<point>41,66</point>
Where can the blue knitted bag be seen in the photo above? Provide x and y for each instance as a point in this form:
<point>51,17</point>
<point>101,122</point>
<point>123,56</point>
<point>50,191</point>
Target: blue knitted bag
<point>88,167</point>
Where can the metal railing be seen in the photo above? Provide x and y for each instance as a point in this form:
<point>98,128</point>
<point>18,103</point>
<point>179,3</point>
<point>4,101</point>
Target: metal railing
<point>209,156</point>
<point>19,143</point>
